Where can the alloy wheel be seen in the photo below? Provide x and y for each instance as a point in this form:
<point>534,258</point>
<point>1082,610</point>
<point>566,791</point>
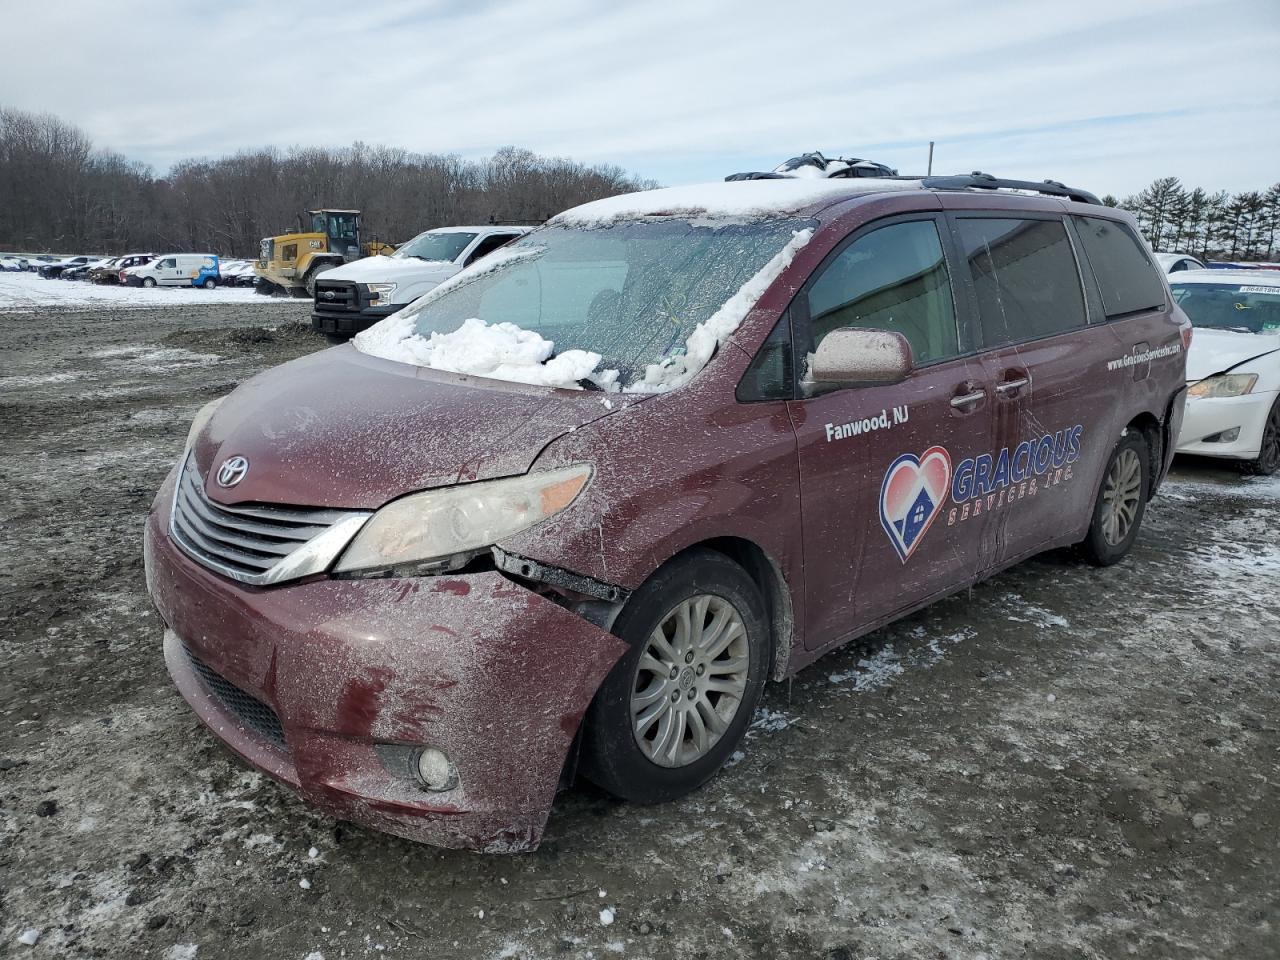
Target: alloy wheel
<point>690,681</point>
<point>1121,495</point>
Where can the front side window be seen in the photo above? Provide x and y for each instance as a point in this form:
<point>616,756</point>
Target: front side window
<point>488,245</point>
<point>342,226</point>
<point>1128,281</point>
<point>443,247</point>
<point>632,292</point>
<point>1025,277</point>
<point>894,278</point>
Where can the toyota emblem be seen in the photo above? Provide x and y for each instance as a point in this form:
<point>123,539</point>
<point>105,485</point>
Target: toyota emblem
<point>232,471</point>
<point>329,294</point>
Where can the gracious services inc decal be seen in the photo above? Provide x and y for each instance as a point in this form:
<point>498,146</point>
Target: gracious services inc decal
<point>916,488</point>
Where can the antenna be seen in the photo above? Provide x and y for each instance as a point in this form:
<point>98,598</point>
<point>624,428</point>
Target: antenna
<point>929,172</point>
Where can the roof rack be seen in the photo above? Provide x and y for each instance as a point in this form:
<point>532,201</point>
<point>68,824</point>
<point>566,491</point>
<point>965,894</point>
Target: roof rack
<point>985,181</point>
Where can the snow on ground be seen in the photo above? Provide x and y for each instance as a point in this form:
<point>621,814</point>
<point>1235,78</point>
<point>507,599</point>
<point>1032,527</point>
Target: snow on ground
<point>20,291</point>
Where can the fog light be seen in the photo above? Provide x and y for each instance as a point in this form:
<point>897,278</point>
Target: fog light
<point>434,771</point>
<point>1226,436</point>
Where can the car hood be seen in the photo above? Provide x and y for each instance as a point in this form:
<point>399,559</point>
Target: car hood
<point>342,429</point>
<point>1214,351</point>
<point>392,269</point>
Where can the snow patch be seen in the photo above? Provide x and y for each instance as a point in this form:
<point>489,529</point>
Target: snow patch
<point>737,201</point>
<point>501,351</point>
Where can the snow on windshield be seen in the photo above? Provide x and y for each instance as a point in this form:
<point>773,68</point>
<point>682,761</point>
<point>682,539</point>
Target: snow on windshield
<point>642,304</point>
<point>678,370</point>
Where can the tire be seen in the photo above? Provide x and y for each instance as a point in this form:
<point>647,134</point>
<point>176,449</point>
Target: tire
<point>637,765</point>
<point>1268,461</point>
<point>148,281</point>
<point>1121,502</point>
<point>309,281</point>
<point>209,283</point>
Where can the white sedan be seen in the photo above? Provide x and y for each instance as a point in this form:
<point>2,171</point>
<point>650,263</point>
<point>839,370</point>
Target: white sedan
<point>1233,366</point>
<point>1178,262</point>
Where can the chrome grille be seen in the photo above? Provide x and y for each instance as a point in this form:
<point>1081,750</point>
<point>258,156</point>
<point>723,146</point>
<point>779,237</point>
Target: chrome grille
<point>257,544</point>
<point>336,296</point>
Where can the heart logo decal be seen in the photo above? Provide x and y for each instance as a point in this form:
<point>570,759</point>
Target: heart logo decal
<point>911,497</point>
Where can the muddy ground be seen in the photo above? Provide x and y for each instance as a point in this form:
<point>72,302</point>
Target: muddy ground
<point>1062,763</point>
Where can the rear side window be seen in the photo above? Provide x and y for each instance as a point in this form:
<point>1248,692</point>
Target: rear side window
<point>1128,281</point>
<point>894,278</point>
<point>1025,276</point>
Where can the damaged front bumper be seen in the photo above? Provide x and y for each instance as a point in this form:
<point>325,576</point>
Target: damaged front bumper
<point>327,685</point>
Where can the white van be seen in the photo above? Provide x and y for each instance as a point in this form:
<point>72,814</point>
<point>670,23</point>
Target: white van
<point>177,270</point>
<point>355,296</point>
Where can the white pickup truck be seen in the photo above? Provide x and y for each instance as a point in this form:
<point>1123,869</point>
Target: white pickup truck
<point>355,296</point>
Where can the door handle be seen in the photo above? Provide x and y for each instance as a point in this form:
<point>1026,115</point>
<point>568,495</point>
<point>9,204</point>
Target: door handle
<point>966,399</point>
<point>1008,386</point>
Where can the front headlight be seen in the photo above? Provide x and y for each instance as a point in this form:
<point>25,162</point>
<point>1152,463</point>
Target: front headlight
<point>381,292</point>
<point>201,418</point>
<point>452,522</point>
<point>1224,385</point>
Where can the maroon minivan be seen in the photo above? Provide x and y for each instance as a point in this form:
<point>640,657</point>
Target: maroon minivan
<point>570,510</point>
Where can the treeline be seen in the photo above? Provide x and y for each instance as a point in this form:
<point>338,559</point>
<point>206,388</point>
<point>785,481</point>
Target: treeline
<point>1225,226</point>
<point>59,193</point>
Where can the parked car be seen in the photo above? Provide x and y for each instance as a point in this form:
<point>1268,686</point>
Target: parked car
<point>175,270</point>
<point>110,271</point>
<point>1178,262</point>
<point>13,264</point>
<point>355,296</point>
<point>1233,367</point>
<point>237,273</point>
<point>81,271</point>
<point>577,504</point>
<point>54,269</point>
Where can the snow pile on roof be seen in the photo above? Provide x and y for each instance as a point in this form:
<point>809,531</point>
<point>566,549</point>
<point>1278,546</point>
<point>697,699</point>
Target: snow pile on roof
<point>678,370</point>
<point>741,200</point>
<point>502,351</point>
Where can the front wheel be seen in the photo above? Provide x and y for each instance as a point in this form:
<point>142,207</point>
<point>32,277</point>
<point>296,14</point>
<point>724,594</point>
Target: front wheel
<point>209,283</point>
<point>1268,461</point>
<point>1121,503</point>
<point>673,709</point>
<point>149,282</point>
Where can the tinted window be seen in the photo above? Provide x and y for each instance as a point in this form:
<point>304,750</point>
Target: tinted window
<point>1128,281</point>
<point>894,278</point>
<point>770,375</point>
<point>488,245</point>
<point>1025,277</point>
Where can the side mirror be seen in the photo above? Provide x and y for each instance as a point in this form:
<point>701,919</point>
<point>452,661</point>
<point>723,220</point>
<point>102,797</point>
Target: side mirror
<point>851,357</point>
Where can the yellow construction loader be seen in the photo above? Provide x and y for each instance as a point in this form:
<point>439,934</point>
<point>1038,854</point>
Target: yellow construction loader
<point>288,264</point>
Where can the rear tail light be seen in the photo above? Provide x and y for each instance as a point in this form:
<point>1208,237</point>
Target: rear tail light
<point>1186,336</point>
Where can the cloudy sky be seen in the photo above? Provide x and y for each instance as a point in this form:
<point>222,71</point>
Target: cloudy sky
<point>1104,94</point>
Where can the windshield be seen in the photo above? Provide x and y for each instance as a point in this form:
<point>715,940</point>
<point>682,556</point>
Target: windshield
<point>435,246</point>
<point>1249,308</point>
<point>632,292</point>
